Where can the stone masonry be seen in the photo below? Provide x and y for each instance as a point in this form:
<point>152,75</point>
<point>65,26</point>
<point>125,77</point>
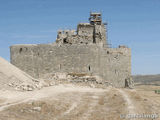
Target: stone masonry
<point>85,51</point>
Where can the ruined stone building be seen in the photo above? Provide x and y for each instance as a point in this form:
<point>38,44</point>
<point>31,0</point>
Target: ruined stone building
<point>84,50</point>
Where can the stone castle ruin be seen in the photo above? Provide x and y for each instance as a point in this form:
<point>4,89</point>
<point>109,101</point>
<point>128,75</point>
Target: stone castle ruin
<point>82,52</point>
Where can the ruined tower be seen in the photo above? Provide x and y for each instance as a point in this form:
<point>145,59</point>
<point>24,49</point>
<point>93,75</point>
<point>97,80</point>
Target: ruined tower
<point>82,51</point>
<point>87,33</point>
<point>99,28</point>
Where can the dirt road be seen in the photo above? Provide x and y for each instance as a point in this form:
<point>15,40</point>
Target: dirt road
<point>68,102</point>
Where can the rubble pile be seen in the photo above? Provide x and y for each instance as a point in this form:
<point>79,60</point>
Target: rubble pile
<point>75,78</point>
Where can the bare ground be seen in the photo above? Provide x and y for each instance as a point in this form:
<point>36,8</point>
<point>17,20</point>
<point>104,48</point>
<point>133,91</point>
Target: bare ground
<point>70,102</point>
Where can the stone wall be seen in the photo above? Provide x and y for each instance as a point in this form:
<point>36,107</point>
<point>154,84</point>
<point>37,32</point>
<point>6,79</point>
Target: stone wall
<point>113,65</point>
<point>82,52</point>
<point>85,29</point>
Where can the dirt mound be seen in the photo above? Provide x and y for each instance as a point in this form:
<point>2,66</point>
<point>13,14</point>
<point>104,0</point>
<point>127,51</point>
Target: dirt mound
<point>11,76</point>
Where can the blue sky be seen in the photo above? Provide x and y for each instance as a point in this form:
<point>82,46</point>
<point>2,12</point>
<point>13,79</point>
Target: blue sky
<point>135,23</point>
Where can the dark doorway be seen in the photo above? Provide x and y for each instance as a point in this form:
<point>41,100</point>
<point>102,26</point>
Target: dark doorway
<point>89,68</point>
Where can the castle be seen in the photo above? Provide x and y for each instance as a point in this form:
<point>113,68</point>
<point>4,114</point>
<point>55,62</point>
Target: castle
<point>85,51</point>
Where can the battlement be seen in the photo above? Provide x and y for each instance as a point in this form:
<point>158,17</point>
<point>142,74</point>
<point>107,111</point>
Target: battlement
<point>65,33</point>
